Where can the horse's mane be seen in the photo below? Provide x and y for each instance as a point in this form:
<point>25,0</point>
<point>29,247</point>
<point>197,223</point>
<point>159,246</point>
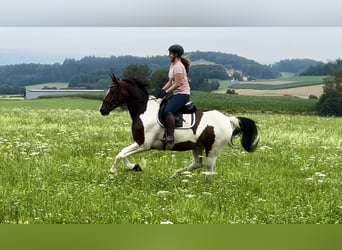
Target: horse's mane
<point>143,85</point>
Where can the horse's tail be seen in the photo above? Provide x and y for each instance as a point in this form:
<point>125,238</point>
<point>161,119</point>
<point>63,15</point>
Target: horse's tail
<point>248,130</point>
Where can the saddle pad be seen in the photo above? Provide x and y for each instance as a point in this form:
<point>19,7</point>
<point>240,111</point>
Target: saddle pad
<point>184,121</point>
<point>188,121</point>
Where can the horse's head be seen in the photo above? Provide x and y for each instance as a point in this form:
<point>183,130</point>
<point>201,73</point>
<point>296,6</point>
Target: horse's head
<point>116,96</point>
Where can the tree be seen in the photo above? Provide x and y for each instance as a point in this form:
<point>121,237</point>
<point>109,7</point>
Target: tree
<point>330,102</point>
<point>237,76</point>
<point>214,85</point>
<point>158,78</point>
<point>137,71</point>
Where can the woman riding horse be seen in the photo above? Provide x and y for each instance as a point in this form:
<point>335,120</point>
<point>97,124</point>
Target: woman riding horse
<point>178,84</point>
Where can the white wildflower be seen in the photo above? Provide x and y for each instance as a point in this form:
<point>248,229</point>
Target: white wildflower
<point>163,192</point>
<point>166,222</point>
<point>319,174</point>
<point>209,173</point>
<point>186,173</point>
<point>265,147</point>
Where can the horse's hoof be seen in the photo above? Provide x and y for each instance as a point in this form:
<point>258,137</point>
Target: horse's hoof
<point>137,168</point>
<point>111,176</point>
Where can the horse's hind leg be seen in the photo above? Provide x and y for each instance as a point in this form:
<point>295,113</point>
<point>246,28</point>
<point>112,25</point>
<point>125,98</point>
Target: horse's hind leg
<point>211,162</point>
<point>197,162</point>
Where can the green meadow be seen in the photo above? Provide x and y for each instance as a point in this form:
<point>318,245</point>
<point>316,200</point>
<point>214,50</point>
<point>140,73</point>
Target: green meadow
<point>55,155</point>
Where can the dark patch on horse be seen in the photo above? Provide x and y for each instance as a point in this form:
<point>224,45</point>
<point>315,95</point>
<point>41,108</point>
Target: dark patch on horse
<point>207,139</point>
<point>138,131</point>
<point>183,146</point>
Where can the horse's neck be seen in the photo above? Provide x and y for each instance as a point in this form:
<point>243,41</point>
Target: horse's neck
<point>149,107</point>
<point>137,108</point>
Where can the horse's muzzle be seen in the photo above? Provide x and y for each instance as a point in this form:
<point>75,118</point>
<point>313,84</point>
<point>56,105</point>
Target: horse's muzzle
<point>104,112</point>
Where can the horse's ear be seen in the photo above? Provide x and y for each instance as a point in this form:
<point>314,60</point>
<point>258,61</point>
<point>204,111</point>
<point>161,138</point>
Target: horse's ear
<point>114,79</point>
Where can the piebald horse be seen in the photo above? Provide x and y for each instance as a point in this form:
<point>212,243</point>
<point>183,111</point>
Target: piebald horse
<point>211,131</point>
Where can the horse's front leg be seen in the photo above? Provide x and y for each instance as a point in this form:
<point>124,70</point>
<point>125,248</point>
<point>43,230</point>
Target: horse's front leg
<point>124,153</point>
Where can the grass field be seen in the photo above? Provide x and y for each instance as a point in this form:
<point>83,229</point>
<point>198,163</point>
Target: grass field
<point>241,103</point>
<point>202,100</point>
<point>55,155</point>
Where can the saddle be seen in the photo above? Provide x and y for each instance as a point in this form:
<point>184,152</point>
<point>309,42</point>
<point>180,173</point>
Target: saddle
<point>185,118</point>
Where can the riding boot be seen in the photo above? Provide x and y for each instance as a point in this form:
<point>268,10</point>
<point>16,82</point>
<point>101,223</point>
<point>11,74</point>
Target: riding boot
<point>170,128</point>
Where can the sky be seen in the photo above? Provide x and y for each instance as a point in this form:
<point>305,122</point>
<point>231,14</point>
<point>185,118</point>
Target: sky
<point>263,30</point>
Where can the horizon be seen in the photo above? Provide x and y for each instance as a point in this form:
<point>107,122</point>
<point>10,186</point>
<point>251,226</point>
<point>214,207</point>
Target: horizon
<point>265,45</point>
<point>50,60</point>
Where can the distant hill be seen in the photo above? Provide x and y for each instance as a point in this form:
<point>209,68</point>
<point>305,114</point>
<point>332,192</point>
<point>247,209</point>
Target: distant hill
<point>295,66</point>
<point>248,67</point>
<point>323,68</point>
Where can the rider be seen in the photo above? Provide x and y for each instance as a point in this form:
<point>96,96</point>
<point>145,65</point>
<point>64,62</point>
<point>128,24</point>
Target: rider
<point>178,85</point>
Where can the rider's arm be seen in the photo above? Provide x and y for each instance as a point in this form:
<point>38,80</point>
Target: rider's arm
<point>167,86</point>
<point>179,79</point>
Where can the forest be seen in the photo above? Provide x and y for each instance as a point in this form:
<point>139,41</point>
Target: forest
<point>93,72</point>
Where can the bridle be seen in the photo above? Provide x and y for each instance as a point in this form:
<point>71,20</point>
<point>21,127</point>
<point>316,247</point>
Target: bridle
<point>112,104</point>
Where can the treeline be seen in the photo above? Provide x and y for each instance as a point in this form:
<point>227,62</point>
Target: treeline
<point>295,66</point>
<point>88,69</point>
<point>11,90</point>
<point>91,69</point>
<point>323,68</point>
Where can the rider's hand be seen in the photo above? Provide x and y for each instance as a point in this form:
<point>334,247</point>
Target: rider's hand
<point>162,94</point>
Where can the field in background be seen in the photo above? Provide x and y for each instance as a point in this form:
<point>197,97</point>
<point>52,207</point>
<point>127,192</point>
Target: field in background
<point>299,86</point>
<point>56,153</point>
<point>202,100</point>
<point>288,85</point>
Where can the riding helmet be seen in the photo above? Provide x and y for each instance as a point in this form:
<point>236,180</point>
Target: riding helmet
<point>176,49</point>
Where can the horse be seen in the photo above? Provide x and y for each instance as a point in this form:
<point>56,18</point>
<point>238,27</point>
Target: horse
<point>212,130</point>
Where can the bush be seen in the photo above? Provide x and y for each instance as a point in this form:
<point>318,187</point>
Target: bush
<point>330,102</point>
<point>231,92</point>
<point>313,97</point>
